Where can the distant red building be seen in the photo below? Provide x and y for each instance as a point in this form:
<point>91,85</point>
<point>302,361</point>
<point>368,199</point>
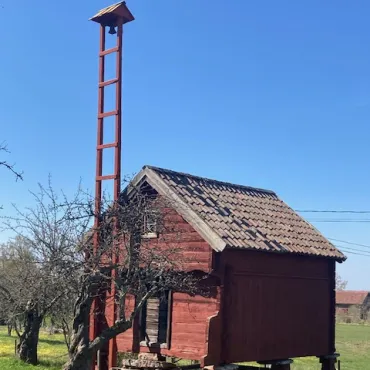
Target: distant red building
<point>274,272</point>
<point>358,300</point>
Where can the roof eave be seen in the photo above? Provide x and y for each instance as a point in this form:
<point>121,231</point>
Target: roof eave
<point>285,252</point>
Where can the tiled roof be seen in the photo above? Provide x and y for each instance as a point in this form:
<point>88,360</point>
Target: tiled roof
<point>246,217</point>
<point>351,296</point>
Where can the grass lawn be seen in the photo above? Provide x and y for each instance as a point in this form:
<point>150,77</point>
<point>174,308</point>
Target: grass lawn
<point>353,343</point>
<point>52,353</point>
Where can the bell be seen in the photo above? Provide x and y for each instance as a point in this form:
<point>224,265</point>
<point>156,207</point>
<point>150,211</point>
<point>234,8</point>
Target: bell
<point>112,30</point>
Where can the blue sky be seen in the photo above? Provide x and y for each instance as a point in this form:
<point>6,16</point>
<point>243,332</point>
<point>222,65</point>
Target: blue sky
<point>273,94</point>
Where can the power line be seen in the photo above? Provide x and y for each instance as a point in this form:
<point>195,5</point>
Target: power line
<point>340,220</point>
<point>342,247</point>
<point>353,251</point>
<point>359,254</point>
<point>343,241</point>
<point>330,211</point>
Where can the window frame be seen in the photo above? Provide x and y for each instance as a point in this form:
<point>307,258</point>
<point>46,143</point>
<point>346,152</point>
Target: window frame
<point>150,232</point>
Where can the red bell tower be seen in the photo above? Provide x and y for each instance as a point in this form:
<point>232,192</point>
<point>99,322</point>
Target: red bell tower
<point>111,20</point>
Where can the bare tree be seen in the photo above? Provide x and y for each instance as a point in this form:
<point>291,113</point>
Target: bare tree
<point>61,316</point>
<point>17,264</point>
<point>340,284</point>
<point>135,266</point>
<point>60,234</point>
<point>3,163</point>
<point>42,267</point>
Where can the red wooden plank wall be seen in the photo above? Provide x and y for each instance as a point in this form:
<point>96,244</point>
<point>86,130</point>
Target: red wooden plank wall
<point>189,326</point>
<point>196,254</point>
<point>125,340</point>
<point>276,306</point>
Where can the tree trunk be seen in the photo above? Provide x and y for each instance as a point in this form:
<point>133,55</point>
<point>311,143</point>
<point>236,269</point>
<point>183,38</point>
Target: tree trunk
<point>52,326</point>
<point>28,341</point>
<point>80,357</point>
<point>10,328</point>
<point>82,352</point>
<point>81,360</point>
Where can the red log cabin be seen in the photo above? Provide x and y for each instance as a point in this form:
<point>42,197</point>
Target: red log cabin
<point>275,274</point>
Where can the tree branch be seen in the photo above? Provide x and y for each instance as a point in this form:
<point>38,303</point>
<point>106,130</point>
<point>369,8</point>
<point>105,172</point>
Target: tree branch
<point>120,326</point>
<point>8,166</point>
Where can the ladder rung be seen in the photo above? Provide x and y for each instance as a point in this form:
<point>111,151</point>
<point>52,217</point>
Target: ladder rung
<point>108,51</point>
<point>107,114</point>
<point>107,177</point>
<point>105,146</point>
<point>109,82</point>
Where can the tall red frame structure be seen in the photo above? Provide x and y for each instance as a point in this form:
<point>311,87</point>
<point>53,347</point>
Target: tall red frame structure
<point>112,17</point>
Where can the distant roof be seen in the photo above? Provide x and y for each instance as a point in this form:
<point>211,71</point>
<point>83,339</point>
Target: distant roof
<point>351,296</point>
<point>238,216</point>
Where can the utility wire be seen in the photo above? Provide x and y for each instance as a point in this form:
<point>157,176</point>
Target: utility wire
<point>346,249</point>
<point>359,254</point>
<point>330,211</point>
<point>340,220</point>
<point>343,241</point>
<point>342,247</point>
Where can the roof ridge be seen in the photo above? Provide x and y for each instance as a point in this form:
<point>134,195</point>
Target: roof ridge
<point>246,187</point>
<point>353,291</point>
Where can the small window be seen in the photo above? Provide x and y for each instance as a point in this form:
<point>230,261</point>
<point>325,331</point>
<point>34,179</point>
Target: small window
<point>156,321</point>
<point>150,225</point>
